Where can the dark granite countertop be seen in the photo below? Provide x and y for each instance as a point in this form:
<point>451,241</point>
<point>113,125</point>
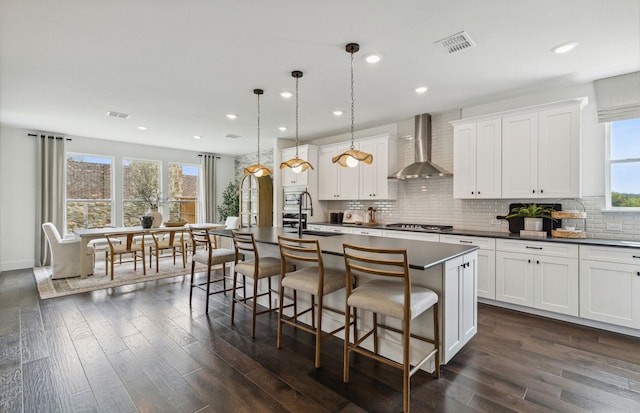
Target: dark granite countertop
<point>421,254</point>
<point>503,235</point>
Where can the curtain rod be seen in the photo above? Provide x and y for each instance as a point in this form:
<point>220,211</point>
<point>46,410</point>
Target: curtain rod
<point>208,154</point>
<point>49,136</point>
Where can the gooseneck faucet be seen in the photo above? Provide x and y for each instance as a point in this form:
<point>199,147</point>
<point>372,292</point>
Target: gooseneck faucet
<point>303,197</point>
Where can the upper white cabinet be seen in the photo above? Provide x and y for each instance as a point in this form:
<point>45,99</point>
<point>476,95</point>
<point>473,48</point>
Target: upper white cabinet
<point>477,153</point>
<point>336,182</point>
<point>373,178</point>
<point>306,152</point>
<point>363,181</point>
<point>541,153</point>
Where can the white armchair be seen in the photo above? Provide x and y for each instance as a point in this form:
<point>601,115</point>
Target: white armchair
<point>65,254</point>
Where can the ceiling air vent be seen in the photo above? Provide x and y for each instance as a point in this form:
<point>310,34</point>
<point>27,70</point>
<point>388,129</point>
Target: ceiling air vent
<point>118,115</point>
<point>231,136</point>
<point>455,43</point>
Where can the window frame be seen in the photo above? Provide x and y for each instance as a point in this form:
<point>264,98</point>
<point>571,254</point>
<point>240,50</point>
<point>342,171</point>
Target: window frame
<point>161,166</point>
<point>196,202</point>
<point>112,185</point>
<point>608,165</point>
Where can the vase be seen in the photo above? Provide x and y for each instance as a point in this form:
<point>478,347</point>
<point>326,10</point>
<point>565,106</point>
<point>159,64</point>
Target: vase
<point>146,221</point>
<point>532,224</point>
<point>157,217</point>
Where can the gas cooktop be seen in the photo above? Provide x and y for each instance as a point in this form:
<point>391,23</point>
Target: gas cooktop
<point>421,227</point>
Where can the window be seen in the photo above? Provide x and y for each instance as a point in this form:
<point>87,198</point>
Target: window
<point>140,189</point>
<point>623,181</point>
<point>183,192</point>
<point>88,191</point>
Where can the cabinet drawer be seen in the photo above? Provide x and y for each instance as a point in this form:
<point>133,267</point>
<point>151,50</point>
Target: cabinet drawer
<point>341,230</point>
<point>483,243</point>
<point>610,254</point>
<point>551,249</point>
<point>420,236</point>
<point>367,231</point>
<point>315,227</point>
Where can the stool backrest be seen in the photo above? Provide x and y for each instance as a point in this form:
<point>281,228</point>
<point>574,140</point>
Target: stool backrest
<point>202,237</point>
<point>245,245</point>
<point>295,251</point>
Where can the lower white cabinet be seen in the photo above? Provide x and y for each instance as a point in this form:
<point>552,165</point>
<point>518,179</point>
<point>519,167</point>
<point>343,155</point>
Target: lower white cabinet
<point>420,236</point>
<point>486,261</point>
<point>460,304</point>
<point>610,285</point>
<point>372,232</point>
<point>542,279</point>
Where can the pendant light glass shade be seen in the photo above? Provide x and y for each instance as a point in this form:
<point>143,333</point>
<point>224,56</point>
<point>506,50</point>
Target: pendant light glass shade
<point>352,157</point>
<point>296,164</point>
<point>258,169</point>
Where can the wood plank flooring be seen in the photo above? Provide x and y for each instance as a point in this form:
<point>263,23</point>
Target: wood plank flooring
<point>142,349</point>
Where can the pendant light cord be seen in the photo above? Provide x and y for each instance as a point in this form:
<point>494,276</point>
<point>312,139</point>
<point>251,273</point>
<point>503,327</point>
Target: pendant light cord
<point>258,129</point>
<point>352,103</point>
<point>297,78</point>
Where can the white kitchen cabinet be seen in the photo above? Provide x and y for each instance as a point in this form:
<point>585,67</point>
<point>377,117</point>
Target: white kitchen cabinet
<point>460,306</point>
<point>486,261</point>
<point>373,182</point>
<point>372,232</point>
<point>341,230</point>
<point>477,159</point>
<point>419,236</point>
<point>537,274</point>
<point>316,227</point>
<point>305,152</point>
<point>336,182</point>
<point>610,285</point>
<point>541,153</point>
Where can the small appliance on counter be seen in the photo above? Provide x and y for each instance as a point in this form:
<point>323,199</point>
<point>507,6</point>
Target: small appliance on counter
<point>354,216</point>
<point>336,217</point>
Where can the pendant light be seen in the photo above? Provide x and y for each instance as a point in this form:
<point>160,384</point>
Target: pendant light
<point>258,169</point>
<point>296,164</point>
<point>352,157</point>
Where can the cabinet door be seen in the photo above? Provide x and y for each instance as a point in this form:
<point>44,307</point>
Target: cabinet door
<point>348,178</point>
<point>514,278</point>
<point>373,178</point>
<point>328,174</point>
<point>488,162</point>
<point>464,161</point>
<point>289,178</point>
<point>610,292</point>
<point>460,305</point>
<point>556,284</point>
<point>520,156</point>
<point>559,156</point>
<point>487,274</point>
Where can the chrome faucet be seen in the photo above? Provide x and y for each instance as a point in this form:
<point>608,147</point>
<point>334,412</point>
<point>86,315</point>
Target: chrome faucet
<point>303,197</point>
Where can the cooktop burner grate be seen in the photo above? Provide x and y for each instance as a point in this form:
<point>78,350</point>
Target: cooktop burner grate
<point>421,227</point>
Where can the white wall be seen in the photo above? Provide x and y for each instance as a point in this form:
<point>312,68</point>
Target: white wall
<point>17,183</point>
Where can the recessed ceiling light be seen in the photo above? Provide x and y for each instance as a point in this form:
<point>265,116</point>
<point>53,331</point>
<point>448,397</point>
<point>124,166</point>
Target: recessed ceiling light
<point>282,128</point>
<point>231,116</point>
<point>421,89</point>
<point>197,136</point>
<point>142,127</point>
<point>286,95</point>
<point>373,58</point>
<point>337,113</point>
<point>564,47</point>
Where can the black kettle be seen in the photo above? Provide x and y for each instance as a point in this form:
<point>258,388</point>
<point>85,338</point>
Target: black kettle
<point>146,221</point>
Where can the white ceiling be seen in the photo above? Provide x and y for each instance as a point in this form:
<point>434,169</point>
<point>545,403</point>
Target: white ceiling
<point>178,66</point>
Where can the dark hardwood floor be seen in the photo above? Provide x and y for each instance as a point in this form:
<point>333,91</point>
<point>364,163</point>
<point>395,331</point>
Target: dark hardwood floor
<point>140,348</point>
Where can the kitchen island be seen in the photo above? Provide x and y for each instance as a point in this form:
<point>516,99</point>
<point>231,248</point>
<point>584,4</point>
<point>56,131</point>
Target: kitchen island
<point>449,270</point>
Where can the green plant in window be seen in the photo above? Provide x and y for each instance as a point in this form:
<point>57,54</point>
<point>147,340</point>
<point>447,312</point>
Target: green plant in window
<point>230,202</point>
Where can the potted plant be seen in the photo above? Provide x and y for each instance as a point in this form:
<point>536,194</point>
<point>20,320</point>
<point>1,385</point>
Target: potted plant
<point>230,202</point>
<point>533,216</point>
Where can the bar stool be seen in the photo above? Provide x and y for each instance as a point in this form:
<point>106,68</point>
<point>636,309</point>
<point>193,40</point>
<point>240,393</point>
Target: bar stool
<point>211,255</point>
<point>315,280</point>
<point>256,268</point>
<point>389,293</point>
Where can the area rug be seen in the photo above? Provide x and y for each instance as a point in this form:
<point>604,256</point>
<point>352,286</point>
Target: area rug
<point>124,275</point>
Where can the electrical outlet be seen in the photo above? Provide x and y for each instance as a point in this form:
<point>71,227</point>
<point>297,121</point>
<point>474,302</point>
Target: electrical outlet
<point>614,226</point>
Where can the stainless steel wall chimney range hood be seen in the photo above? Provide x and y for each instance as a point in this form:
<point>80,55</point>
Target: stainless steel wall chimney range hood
<point>422,167</point>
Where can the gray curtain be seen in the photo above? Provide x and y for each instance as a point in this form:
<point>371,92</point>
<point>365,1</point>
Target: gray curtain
<point>49,191</point>
<point>208,197</point>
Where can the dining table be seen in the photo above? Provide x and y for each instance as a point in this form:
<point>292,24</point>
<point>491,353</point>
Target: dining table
<point>88,234</point>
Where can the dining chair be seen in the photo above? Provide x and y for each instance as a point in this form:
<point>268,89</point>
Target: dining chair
<point>310,276</point>
<point>165,239</point>
<point>257,268</point>
<point>387,291</point>
<point>124,244</point>
<point>211,255</point>
<point>65,254</point>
